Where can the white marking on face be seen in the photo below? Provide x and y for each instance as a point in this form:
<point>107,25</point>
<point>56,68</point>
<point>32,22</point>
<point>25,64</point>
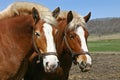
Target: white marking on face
<point>81,34</point>
<point>49,37</point>
<point>89,59</point>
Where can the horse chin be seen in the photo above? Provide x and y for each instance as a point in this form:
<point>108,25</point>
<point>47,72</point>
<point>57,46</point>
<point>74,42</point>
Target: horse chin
<point>49,70</point>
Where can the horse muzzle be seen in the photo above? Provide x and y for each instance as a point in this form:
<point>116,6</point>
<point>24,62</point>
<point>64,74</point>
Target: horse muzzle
<point>51,63</point>
<point>51,68</point>
<point>85,66</point>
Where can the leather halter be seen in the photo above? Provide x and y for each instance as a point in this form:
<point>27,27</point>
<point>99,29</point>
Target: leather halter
<point>40,55</point>
<point>73,53</point>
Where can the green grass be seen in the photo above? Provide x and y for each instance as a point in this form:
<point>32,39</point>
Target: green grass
<point>112,45</point>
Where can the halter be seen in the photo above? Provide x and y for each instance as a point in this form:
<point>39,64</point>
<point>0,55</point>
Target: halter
<point>69,46</point>
<point>40,55</point>
<point>73,53</point>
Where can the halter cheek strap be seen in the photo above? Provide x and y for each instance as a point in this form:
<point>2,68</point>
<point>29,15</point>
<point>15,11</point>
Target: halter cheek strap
<point>68,44</point>
<point>36,49</point>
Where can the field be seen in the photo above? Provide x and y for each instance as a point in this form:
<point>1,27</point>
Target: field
<point>112,45</point>
<point>105,52</point>
<point>106,43</point>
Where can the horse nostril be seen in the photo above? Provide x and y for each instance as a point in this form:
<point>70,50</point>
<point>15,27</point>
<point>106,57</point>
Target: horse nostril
<point>47,63</point>
<point>83,63</point>
<point>58,63</point>
<point>87,68</point>
<point>53,66</point>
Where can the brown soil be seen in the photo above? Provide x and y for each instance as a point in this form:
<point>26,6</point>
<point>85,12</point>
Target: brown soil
<point>104,67</point>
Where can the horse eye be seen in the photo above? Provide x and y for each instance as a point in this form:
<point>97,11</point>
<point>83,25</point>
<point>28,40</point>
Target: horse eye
<point>78,25</point>
<point>71,36</point>
<point>37,34</point>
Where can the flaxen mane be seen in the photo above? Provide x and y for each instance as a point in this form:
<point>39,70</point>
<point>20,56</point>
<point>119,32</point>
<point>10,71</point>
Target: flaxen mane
<point>77,19</point>
<point>25,8</point>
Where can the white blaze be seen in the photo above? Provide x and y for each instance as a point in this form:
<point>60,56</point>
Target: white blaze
<point>81,34</point>
<point>50,41</point>
<point>52,60</point>
<point>89,60</point>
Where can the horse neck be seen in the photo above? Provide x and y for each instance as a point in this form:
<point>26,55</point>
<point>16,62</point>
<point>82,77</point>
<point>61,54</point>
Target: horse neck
<point>19,35</point>
<point>60,36</point>
<point>16,41</point>
<point>26,32</point>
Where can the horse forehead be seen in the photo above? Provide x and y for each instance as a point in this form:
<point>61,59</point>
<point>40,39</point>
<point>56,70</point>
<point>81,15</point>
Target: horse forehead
<point>80,30</point>
<point>39,26</point>
<point>47,27</point>
<point>44,28</point>
<point>49,37</point>
<point>81,33</point>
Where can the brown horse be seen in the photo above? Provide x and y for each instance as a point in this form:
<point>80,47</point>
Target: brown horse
<point>75,38</point>
<point>20,36</point>
<point>72,42</point>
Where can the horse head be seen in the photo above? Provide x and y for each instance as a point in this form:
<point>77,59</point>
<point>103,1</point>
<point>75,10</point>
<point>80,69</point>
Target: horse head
<point>43,40</point>
<point>75,37</point>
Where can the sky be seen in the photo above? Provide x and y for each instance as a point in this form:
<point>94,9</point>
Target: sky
<point>98,8</point>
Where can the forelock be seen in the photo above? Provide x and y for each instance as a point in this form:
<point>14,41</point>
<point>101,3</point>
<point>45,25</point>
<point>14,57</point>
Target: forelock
<point>49,19</point>
<point>77,19</point>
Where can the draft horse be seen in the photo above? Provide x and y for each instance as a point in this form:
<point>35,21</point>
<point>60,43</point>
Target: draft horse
<point>72,42</point>
<point>20,36</point>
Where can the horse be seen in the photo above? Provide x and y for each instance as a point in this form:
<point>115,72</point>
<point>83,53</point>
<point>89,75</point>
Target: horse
<point>20,36</point>
<point>76,32</point>
<point>72,42</point>
<point>24,8</point>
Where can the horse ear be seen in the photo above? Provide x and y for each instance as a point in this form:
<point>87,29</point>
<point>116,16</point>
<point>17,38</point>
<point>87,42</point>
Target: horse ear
<point>56,12</point>
<point>87,17</point>
<point>69,17</point>
<point>35,15</point>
